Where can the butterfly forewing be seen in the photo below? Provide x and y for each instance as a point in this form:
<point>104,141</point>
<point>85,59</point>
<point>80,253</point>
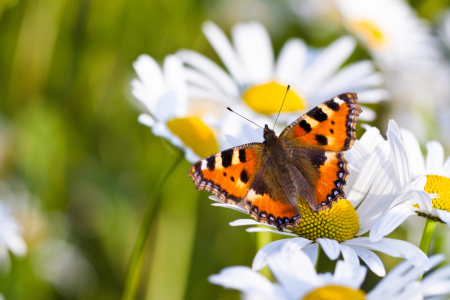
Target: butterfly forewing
<point>329,126</point>
<point>228,174</point>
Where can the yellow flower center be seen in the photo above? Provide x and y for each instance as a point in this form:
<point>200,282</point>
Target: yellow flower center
<point>369,33</point>
<point>339,223</point>
<point>195,135</point>
<point>439,185</point>
<point>335,292</point>
<point>267,98</point>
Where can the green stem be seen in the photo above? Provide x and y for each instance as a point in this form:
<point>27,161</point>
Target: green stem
<point>262,239</point>
<point>318,256</point>
<point>427,236</point>
<point>135,265</point>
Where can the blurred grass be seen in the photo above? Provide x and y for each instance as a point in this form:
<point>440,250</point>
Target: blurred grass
<point>74,141</point>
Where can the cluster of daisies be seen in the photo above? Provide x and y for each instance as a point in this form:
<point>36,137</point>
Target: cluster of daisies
<point>390,180</point>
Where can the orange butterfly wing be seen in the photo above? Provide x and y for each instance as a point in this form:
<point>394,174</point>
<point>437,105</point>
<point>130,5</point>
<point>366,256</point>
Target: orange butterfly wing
<point>329,126</point>
<point>318,137</point>
<point>242,173</point>
<point>228,174</point>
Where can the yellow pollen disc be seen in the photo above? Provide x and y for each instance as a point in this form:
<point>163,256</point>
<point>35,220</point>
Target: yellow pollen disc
<point>439,185</point>
<point>335,292</point>
<point>195,135</point>
<point>339,223</point>
<point>267,98</point>
<point>368,32</point>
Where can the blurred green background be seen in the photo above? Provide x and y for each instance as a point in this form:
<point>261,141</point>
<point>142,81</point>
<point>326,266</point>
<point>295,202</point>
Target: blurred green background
<point>85,169</point>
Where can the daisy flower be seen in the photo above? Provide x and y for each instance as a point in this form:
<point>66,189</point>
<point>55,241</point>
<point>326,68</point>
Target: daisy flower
<point>374,186</point>
<point>297,279</point>
<point>256,81</point>
<point>433,176</point>
<point>435,170</point>
<point>10,238</point>
<point>391,31</point>
<point>184,121</point>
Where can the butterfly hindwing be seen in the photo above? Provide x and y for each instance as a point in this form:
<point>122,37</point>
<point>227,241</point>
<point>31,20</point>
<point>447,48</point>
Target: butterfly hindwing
<point>228,174</point>
<point>270,202</point>
<point>329,178</point>
<point>329,126</point>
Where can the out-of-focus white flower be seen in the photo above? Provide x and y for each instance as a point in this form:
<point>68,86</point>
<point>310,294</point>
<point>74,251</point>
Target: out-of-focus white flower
<point>375,186</point>
<point>298,279</point>
<point>391,31</point>
<point>258,82</point>
<point>10,238</point>
<point>184,121</point>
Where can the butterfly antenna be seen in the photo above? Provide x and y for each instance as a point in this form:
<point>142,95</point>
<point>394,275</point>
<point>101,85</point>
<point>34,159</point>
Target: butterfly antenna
<point>243,117</point>
<point>281,106</point>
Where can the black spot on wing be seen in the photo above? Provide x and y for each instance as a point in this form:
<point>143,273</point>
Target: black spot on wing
<point>227,157</point>
<point>244,176</point>
<point>344,97</point>
<point>242,157</point>
<point>211,162</point>
<point>318,159</point>
<point>232,178</point>
<point>334,106</point>
<point>305,126</point>
<point>321,139</point>
<point>317,114</point>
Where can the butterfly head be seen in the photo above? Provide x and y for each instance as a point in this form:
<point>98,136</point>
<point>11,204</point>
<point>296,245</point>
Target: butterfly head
<point>269,134</point>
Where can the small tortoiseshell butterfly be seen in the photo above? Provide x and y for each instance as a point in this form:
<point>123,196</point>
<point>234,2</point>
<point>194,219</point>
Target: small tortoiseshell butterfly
<point>306,160</point>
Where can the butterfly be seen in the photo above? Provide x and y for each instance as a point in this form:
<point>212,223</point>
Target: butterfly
<point>306,161</point>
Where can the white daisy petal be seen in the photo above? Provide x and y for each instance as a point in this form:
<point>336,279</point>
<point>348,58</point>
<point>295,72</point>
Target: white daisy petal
<point>231,206</point>
<point>351,78</point>
<point>146,119</point>
<point>371,138</point>
<point>260,260</point>
<point>394,248</point>
<point>245,222</point>
<point>373,96</point>
<point>327,62</point>
<point>312,250</point>
<point>151,75</point>
<point>399,155</point>
<point>349,274</point>
<point>390,221</point>
<point>330,247</point>
<point>290,270</point>
<point>291,60</point>
<point>365,177</point>
<point>175,79</point>
<point>253,45</point>
<point>222,46</point>
<point>349,255</point>
<point>371,260</point>
<point>244,280</point>
<point>210,69</point>
<point>259,229</point>
<point>415,157</point>
<point>446,168</point>
<point>423,199</point>
<point>367,114</point>
<point>435,158</point>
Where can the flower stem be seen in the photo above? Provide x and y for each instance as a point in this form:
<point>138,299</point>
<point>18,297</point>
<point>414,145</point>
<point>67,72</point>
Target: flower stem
<point>133,273</point>
<point>427,235</point>
<point>262,239</point>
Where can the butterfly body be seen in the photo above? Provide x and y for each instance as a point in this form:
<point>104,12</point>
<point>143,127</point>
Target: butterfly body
<point>306,161</point>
